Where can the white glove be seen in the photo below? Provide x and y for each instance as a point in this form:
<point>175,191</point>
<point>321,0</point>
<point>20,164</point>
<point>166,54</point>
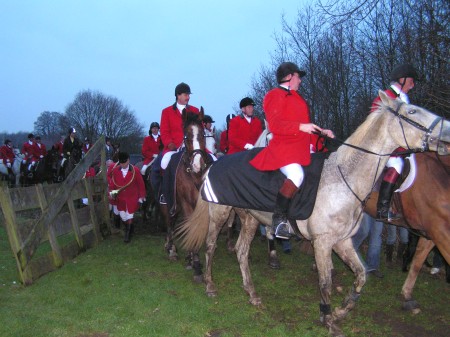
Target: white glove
<point>141,200</point>
<point>8,165</point>
<point>155,155</point>
<point>41,156</point>
<point>24,161</point>
<point>113,194</point>
<point>33,162</point>
<point>248,146</point>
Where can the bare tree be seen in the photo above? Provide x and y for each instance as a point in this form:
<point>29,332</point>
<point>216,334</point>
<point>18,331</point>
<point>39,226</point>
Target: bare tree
<point>95,114</point>
<point>48,126</point>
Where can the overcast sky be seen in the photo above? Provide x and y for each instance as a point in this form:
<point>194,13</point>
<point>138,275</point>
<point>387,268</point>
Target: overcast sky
<point>136,51</point>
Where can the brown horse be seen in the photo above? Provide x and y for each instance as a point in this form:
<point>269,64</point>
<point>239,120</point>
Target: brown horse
<point>192,165</point>
<point>426,208</point>
<point>346,181</point>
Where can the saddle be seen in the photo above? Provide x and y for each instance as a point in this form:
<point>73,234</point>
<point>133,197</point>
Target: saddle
<point>232,181</point>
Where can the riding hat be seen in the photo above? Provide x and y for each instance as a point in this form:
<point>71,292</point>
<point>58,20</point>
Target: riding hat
<point>288,68</point>
<point>72,130</point>
<point>403,71</point>
<point>230,117</point>
<point>182,88</point>
<point>153,125</point>
<point>7,141</point>
<point>123,157</point>
<point>30,135</point>
<point>207,119</point>
<point>245,102</point>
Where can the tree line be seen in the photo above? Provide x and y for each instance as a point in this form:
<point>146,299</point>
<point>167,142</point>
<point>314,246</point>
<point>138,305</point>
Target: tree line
<point>348,49</point>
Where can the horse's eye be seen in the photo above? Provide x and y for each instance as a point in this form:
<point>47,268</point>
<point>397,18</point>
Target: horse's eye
<point>412,111</point>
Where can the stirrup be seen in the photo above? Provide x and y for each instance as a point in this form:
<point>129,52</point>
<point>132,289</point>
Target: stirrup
<point>284,231</point>
<point>387,216</point>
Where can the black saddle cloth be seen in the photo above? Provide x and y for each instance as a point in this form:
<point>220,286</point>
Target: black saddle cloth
<point>235,182</point>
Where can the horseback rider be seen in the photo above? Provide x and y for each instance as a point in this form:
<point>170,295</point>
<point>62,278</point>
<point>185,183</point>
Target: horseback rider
<point>209,134</point>
<point>41,149</point>
<point>402,81</point>
<point>109,150</point>
<point>31,155</point>
<point>224,144</point>
<point>71,147</point>
<point>245,129</point>
<point>172,133</point>
<point>151,147</point>
<point>7,158</point>
<point>288,116</point>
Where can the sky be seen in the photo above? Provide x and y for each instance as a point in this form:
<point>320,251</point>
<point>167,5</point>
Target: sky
<point>135,51</point>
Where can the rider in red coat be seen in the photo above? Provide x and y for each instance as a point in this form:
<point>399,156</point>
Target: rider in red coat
<point>151,147</point>
<point>171,131</point>
<point>29,150</point>
<point>7,155</point>
<point>127,187</point>
<point>245,129</point>
<point>224,143</point>
<point>40,148</point>
<point>402,81</point>
<point>288,116</point>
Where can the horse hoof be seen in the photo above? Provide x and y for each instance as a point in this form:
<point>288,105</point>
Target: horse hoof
<point>274,264</point>
<point>198,278</point>
<point>411,305</point>
<point>256,301</point>
<point>211,293</point>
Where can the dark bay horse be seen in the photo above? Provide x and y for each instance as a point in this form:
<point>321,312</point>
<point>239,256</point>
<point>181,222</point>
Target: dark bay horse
<point>426,208</point>
<point>188,179</point>
<point>347,179</point>
<point>44,170</point>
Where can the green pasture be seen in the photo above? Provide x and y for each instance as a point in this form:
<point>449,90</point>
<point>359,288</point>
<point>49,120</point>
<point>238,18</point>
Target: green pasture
<point>118,290</point>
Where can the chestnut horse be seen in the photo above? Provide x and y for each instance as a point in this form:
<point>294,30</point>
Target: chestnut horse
<point>188,178</point>
<point>426,208</point>
<point>347,179</point>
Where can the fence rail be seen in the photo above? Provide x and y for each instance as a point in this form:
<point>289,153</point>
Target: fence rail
<point>48,225</point>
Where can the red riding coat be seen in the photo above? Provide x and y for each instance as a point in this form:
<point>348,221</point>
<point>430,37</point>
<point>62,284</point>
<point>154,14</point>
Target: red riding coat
<point>7,155</point>
<point>30,151</point>
<point>242,132</point>
<point>172,125</point>
<point>128,198</point>
<point>285,111</point>
<point>150,147</point>
<point>41,149</point>
<point>59,147</point>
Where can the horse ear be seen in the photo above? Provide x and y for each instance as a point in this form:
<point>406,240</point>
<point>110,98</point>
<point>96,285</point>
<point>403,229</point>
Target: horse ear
<point>201,115</point>
<point>384,97</point>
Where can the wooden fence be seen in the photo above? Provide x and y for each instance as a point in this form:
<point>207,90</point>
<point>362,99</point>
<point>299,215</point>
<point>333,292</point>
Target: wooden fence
<point>48,225</point>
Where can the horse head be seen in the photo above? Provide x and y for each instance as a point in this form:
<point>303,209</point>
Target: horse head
<point>194,140</point>
<point>420,130</point>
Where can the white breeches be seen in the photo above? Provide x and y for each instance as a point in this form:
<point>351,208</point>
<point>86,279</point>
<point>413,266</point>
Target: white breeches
<point>293,172</point>
<point>124,215</point>
<point>395,162</point>
<point>166,159</point>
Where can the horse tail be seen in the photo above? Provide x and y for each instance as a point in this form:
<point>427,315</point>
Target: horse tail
<point>194,229</point>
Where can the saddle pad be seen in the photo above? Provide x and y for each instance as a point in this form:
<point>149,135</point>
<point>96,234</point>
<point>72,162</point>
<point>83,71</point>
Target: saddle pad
<point>232,181</point>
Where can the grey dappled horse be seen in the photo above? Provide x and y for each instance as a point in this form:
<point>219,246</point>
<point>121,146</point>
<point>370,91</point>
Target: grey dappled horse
<point>347,179</point>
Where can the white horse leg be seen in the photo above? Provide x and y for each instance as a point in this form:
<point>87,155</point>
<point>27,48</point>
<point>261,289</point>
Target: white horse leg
<point>248,229</point>
<point>347,253</point>
<point>322,251</point>
<point>218,216</point>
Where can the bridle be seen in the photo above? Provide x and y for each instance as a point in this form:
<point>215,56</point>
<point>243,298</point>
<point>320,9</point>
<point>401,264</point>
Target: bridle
<point>188,159</point>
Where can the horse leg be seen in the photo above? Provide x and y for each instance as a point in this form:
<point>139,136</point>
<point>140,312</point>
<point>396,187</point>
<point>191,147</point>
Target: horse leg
<point>347,253</point>
<point>424,248</point>
<point>169,245</point>
<point>230,221</point>
<point>197,267</point>
<point>322,251</point>
<point>248,229</point>
<point>274,262</point>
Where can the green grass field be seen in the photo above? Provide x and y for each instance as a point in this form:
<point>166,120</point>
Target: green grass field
<point>133,290</point>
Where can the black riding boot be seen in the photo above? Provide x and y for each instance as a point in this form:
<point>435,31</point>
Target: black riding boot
<point>280,224</point>
<point>117,221</point>
<point>384,202</point>
<point>128,230</point>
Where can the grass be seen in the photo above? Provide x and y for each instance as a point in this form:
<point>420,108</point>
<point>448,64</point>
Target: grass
<point>133,290</point>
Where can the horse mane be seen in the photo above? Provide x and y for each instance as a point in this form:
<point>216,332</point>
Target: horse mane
<point>356,138</point>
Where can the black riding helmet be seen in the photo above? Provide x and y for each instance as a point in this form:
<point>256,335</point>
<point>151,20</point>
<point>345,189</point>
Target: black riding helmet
<point>182,88</point>
<point>153,125</point>
<point>403,70</point>
<point>288,68</point>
